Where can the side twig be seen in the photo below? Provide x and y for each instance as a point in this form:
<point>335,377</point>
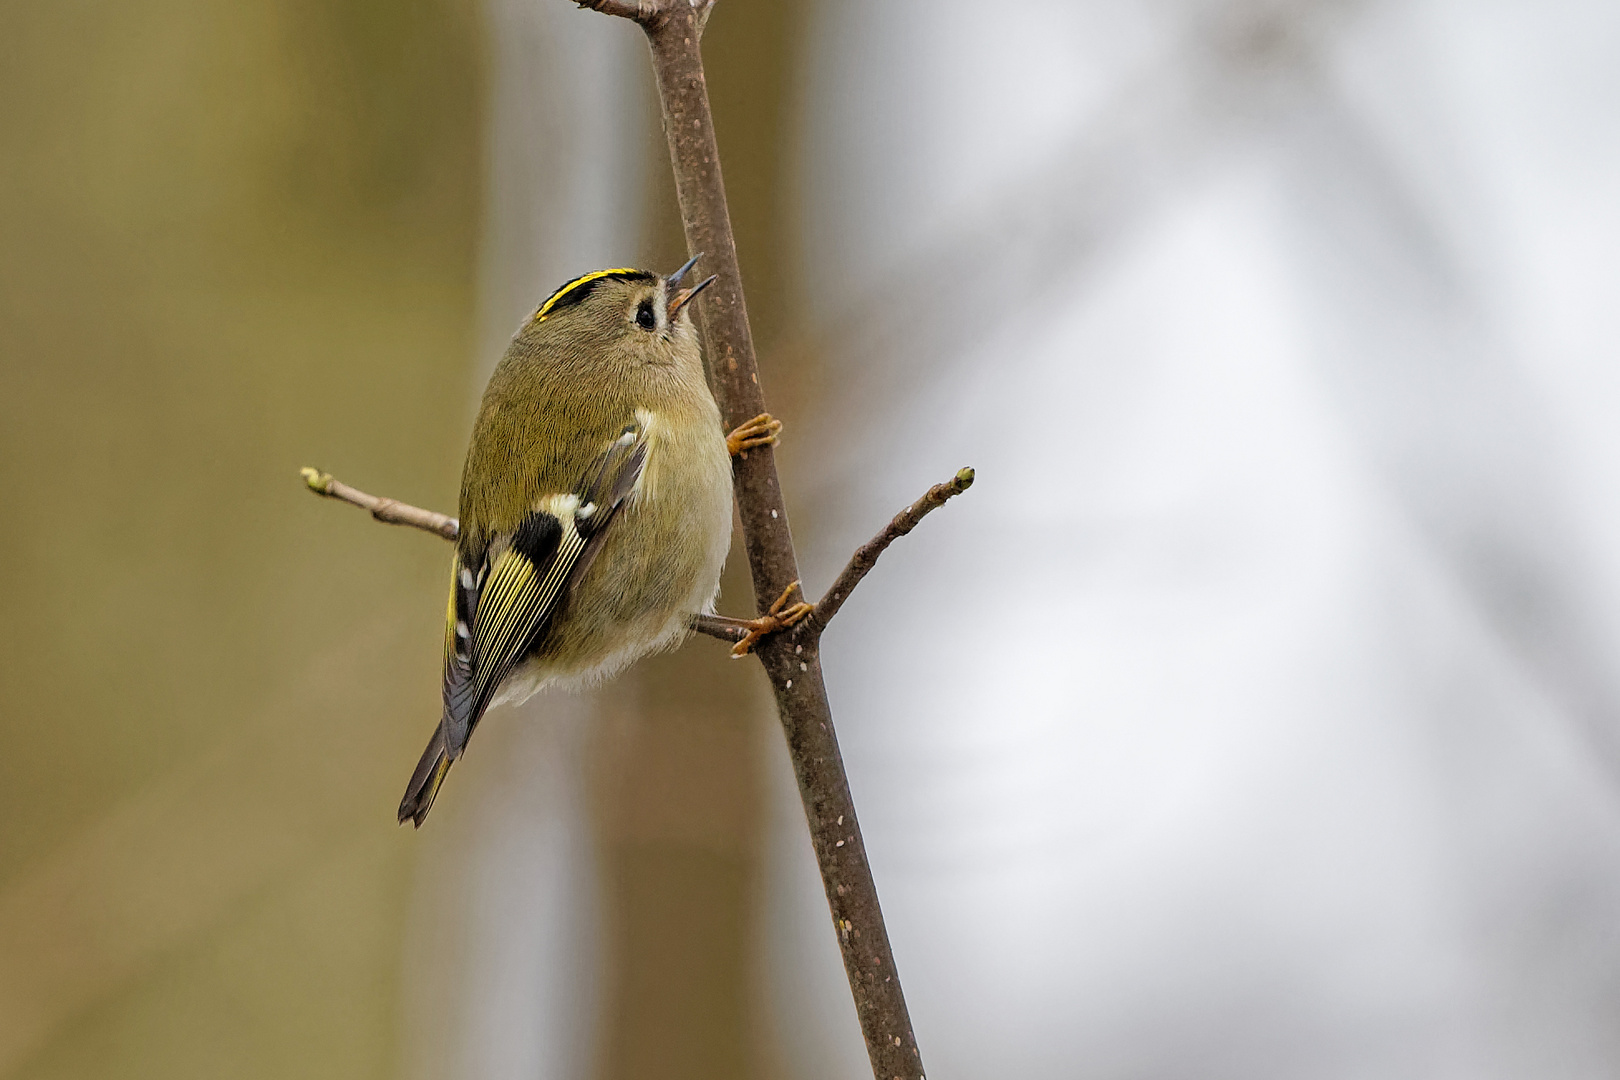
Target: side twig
<point>388,511</point>
<point>717,626</point>
<point>866,556</point>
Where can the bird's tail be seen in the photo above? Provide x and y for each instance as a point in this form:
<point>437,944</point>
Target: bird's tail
<point>425,780</point>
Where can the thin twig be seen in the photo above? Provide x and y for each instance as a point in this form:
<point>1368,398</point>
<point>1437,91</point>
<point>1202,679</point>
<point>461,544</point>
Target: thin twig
<point>717,626</point>
<point>624,9</point>
<point>866,556</point>
<point>650,12</point>
<point>388,511</point>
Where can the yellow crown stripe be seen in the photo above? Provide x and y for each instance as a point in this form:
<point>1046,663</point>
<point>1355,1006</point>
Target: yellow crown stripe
<point>584,279</point>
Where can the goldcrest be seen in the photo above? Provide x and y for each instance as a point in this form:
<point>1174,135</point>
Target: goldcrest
<point>595,504</point>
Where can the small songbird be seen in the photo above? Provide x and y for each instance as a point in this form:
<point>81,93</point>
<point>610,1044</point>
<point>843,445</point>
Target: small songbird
<point>595,503</point>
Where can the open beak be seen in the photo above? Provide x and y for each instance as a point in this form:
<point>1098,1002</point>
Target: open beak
<point>680,299</point>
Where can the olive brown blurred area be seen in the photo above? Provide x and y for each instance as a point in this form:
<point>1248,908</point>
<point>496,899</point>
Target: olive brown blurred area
<point>239,238</point>
<point>236,237</point>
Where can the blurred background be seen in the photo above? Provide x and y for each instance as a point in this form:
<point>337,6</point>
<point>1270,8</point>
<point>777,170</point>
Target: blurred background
<point>1256,715</point>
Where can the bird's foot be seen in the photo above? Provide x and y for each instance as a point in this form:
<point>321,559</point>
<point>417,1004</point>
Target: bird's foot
<point>762,430</point>
<point>781,616</point>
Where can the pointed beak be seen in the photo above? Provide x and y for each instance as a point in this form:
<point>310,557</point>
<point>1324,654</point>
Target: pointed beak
<point>680,299</point>
<point>675,279</point>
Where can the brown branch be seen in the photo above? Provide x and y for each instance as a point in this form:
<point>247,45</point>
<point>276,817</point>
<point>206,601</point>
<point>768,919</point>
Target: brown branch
<point>388,511</point>
<point>624,9</point>
<point>718,626</point>
<point>674,29</point>
<point>650,13</point>
<point>866,556</point>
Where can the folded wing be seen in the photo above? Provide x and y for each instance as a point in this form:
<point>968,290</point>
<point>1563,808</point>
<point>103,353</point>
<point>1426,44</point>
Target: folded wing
<point>501,608</point>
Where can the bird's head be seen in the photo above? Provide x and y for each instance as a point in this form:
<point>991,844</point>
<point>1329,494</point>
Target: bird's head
<point>621,318</point>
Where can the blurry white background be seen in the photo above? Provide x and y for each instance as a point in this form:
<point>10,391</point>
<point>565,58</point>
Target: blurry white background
<point>1257,712</point>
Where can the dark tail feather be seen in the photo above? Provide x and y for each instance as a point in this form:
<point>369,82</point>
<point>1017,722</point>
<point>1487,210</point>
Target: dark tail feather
<point>425,780</point>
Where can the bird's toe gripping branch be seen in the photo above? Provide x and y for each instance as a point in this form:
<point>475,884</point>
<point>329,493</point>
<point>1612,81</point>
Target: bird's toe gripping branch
<point>781,616</point>
<point>746,633</point>
<point>762,430</point>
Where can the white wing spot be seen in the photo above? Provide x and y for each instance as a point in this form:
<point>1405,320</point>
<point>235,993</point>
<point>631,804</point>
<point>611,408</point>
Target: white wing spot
<point>461,630</point>
<point>561,507</point>
<point>466,578</point>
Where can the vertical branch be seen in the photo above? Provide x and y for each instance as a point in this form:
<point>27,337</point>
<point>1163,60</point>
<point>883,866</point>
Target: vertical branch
<point>722,314</point>
<point>791,660</point>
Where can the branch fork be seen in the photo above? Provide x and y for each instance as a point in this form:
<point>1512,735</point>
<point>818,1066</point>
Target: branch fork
<point>782,615</point>
<point>650,13</point>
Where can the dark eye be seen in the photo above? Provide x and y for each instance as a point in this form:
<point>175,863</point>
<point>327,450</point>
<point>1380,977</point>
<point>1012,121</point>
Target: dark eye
<point>645,317</point>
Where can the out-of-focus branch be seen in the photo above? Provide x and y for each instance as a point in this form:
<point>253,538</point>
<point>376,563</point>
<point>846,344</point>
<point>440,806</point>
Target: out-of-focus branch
<point>866,556</point>
<point>388,511</point>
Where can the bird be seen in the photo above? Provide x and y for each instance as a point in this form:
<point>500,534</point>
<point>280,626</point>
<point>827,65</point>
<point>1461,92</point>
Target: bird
<point>595,507</point>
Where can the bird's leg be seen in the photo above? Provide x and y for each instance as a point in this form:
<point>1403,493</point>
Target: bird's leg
<point>781,615</point>
<point>762,430</point>
<point>748,631</point>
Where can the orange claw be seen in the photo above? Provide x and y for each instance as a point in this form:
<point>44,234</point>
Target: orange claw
<point>762,430</point>
<point>779,617</point>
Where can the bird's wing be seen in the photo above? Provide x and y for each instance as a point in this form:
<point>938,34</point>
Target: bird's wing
<point>500,608</point>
